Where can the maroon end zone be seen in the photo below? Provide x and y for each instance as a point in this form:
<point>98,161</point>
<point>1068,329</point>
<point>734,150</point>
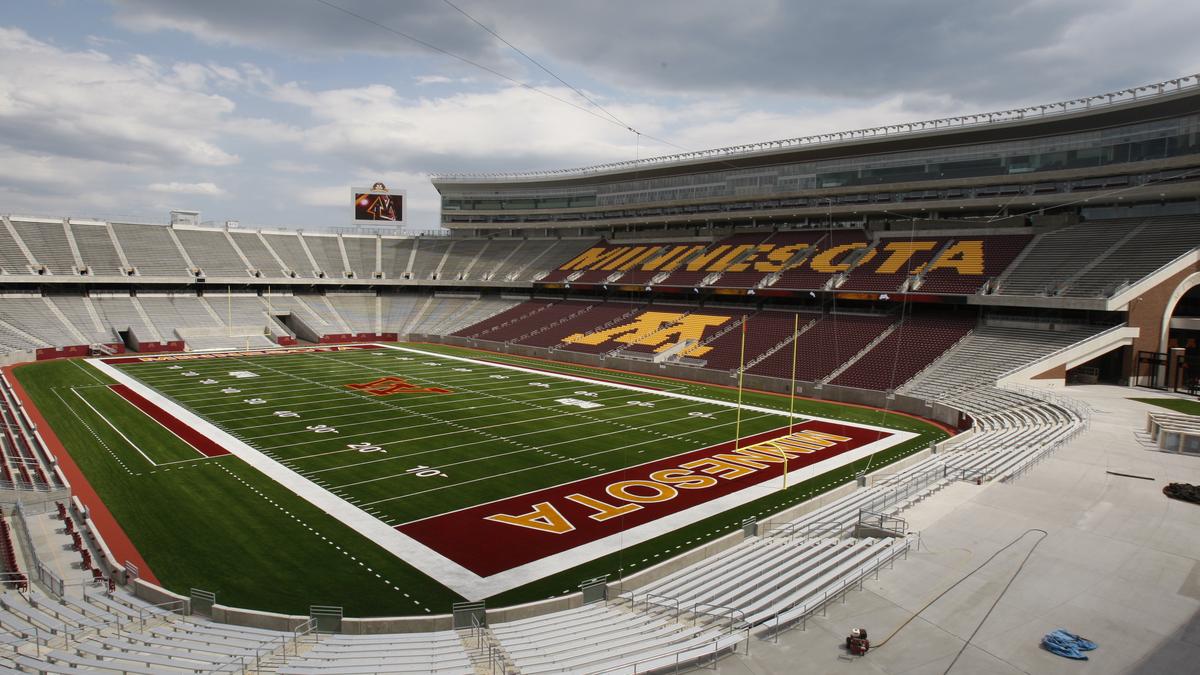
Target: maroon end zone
<point>200,442</point>
<point>498,536</point>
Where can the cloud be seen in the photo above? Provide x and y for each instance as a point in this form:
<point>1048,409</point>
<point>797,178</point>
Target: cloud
<point>209,189</point>
<point>432,79</point>
<point>982,53</point>
<point>88,106</point>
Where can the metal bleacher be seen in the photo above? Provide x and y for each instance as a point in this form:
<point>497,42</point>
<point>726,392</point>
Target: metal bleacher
<point>48,244</point>
<point>360,251</point>
<point>256,251</point>
<point>287,247</point>
<point>97,250</point>
<point>986,353</point>
<point>150,250</point>
<point>326,251</point>
<point>212,252</point>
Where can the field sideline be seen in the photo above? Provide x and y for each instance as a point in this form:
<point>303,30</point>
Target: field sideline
<point>417,435</point>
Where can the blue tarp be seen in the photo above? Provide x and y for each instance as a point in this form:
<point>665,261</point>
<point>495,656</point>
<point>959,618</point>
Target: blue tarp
<point>1067,644</point>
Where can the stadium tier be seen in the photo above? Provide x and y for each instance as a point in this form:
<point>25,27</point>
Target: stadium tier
<point>451,432</point>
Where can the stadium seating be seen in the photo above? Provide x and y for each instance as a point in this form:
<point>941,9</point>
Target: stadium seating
<point>1001,251</point>
<point>822,348</point>
<point>49,246</point>
<point>151,250</point>
<point>97,249</point>
<point>212,252</point>
<point>360,253</point>
<point>916,342</point>
<point>12,260</point>
<point>597,638</point>
<point>987,353</point>
<point>802,276</point>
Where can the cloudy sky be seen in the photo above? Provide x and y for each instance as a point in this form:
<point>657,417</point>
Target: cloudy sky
<point>267,111</point>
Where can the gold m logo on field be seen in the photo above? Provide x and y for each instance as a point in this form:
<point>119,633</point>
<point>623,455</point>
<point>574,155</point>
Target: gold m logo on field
<point>661,330</point>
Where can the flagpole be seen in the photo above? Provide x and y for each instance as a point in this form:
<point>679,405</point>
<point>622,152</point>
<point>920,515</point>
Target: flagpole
<point>737,443</point>
<point>792,398</point>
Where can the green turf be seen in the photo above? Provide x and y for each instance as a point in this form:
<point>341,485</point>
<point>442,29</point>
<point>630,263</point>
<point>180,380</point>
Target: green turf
<point>218,524</point>
<point>1181,405</point>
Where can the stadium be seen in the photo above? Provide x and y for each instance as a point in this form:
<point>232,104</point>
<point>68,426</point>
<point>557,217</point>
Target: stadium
<point>700,410</point>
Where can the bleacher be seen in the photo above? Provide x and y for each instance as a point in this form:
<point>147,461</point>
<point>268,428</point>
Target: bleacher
<point>26,464</point>
<point>598,638</point>
<point>291,253</point>
<point>986,353</point>
<point>97,249</point>
<point>47,242</point>
<point>440,652</point>
<point>824,347</point>
<point>360,252</point>
<point>150,250</point>
<point>1001,251</point>
<point>254,247</point>
<point>327,253</point>
<point>916,342</point>
<point>12,260</point>
<point>211,251</point>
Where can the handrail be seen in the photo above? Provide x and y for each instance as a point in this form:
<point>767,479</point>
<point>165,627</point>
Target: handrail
<point>1114,99</point>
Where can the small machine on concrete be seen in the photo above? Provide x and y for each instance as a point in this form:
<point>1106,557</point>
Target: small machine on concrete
<point>857,643</point>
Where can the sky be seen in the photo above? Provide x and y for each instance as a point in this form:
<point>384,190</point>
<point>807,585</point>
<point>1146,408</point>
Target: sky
<point>268,111</point>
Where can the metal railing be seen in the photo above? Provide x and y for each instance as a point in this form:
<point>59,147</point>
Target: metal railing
<point>788,618</point>
<point>1049,110</point>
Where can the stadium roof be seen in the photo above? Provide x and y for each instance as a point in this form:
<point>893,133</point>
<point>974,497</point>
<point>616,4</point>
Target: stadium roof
<point>1168,98</point>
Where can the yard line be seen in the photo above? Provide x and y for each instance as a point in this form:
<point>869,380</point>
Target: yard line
<point>680,435</point>
<point>249,391</point>
<point>507,473</point>
<point>506,404</point>
<point>485,440</point>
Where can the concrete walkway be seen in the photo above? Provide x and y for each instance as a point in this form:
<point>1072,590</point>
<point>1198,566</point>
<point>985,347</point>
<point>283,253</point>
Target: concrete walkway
<point>1121,566</point>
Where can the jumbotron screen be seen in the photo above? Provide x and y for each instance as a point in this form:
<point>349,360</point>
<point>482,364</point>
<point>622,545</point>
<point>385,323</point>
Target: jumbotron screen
<point>378,205</point>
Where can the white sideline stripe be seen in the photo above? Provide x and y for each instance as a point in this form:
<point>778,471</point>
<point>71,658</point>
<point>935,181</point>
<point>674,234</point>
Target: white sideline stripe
<point>133,445</point>
<point>104,418</point>
<point>451,574</point>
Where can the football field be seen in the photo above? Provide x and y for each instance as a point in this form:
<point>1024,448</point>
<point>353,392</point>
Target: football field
<point>483,473</point>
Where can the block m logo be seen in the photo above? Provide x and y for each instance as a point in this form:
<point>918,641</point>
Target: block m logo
<point>661,330</point>
<point>390,384</point>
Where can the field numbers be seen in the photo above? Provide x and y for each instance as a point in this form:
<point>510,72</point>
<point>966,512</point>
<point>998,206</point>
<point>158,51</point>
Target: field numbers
<point>254,401</point>
<point>231,390</point>
<point>366,446</point>
<point>174,367</point>
<point>208,381</point>
<point>190,373</point>
<point>707,416</point>
<point>642,404</point>
<point>462,370</point>
<point>321,429</point>
<point>422,471</point>
<point>285,413</point>
<point>589,394</point>
<point>498,377</point>
<point>543,385</point>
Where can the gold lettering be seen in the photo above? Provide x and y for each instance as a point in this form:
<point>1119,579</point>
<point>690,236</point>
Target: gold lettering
<point>544,518</point>
<point>604,511</point>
